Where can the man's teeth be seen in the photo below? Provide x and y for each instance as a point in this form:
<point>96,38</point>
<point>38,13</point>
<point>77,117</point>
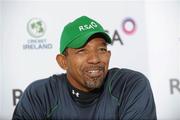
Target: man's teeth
<point>93,71</point>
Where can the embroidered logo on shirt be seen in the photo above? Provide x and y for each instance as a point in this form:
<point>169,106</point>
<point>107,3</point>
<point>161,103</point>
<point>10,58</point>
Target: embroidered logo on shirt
<point>75,93</point>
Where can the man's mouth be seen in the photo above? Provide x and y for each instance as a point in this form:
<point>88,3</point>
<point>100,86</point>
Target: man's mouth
<point>93,73</point>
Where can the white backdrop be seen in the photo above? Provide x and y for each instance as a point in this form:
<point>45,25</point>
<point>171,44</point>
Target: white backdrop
<point>0,55</point>
<point>162,24</point>
<point>152,48</point>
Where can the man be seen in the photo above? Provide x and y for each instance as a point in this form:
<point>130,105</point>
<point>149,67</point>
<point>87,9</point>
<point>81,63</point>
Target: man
<point>88,90</point>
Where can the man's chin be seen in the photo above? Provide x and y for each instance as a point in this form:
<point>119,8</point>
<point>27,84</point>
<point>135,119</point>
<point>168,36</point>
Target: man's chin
<point>94,83</point>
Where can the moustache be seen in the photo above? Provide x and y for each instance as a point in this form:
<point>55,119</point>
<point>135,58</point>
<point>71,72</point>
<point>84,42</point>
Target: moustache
<point>94,67</point>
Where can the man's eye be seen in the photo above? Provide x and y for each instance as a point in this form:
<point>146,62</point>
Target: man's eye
<point>103,49</point>
<point>80,51</point>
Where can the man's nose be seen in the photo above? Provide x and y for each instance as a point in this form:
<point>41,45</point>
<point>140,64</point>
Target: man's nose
<point>93,57</point>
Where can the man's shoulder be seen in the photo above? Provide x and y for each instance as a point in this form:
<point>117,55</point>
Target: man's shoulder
<point>126,82</point>
<point>121,78</point>
<point>125,73</point>
<point>46,83</point>
<point>41,96</point>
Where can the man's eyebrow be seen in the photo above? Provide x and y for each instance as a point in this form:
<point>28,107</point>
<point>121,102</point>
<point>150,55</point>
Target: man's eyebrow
<point>104,43</point>
<point>78,48</point>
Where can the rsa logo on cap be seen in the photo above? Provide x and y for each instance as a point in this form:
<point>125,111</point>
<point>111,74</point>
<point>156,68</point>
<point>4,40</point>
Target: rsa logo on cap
<point>92,25</point>
<point>36,27</point>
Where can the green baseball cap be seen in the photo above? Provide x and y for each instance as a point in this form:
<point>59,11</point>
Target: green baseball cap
<point>76,33</point>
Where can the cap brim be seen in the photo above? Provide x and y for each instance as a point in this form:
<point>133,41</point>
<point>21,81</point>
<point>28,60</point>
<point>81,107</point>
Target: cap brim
<point>82,40</point>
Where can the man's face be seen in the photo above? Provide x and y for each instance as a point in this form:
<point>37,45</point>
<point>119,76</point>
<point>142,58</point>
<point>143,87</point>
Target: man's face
<point>87,66</point>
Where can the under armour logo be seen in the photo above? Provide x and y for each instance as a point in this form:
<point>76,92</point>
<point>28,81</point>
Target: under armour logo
<point>75,93</point>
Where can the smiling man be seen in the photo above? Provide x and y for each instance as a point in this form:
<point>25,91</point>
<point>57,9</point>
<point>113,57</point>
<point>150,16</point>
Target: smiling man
<point>86,66</point>
<point>88,89</point>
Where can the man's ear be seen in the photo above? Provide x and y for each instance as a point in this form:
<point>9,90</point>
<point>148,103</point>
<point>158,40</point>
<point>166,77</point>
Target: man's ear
<point>61,60</point>
<point>109,52</point>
